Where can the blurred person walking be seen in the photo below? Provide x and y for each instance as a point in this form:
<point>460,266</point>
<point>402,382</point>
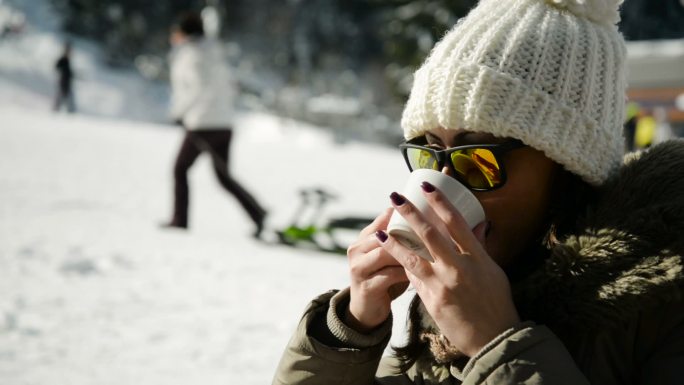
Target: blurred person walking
<point>65,93</point>
<point>202,102</point>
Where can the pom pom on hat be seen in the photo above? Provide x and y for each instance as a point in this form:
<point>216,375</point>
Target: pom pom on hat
<point>599,11</point>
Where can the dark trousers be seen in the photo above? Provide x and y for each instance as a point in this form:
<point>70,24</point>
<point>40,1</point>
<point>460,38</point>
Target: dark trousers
<point>217,144</point>
<point>65,97</point>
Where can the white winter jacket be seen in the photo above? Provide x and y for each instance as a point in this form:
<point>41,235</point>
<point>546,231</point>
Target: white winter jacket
<point>203,91</point>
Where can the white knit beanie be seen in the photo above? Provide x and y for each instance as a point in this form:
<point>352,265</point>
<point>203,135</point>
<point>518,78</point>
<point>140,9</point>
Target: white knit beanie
<point>548,72</point>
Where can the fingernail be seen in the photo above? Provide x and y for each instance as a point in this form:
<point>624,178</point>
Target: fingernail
<point>427,187</point>
<point>397,199</point>
<point>381,235</point>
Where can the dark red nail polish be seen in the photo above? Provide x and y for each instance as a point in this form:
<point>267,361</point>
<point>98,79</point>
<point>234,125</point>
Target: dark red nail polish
<point>397,199</point>
<point>427,187</point>
<point>381,235</point>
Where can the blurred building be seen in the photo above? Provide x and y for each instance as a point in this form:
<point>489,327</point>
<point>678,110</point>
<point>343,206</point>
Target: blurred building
<point>655,72</point>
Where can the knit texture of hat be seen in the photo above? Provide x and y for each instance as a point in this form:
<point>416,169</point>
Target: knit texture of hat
<point>548,72</point>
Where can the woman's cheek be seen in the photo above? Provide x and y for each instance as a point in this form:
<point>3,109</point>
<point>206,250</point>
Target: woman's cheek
<point>493,246</point>
<point>506,238</point>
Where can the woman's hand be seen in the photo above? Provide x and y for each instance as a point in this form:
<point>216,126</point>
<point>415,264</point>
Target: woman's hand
<point>464,290</point>
<point>376,278</point>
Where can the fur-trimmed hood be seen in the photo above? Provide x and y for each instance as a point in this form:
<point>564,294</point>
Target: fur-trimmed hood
<point>624,258</point>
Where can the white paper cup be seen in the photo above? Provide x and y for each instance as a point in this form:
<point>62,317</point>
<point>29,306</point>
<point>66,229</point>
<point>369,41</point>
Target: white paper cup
<point>459,195</point>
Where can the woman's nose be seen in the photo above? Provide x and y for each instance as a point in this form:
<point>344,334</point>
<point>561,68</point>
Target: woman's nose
<point>447,170</point>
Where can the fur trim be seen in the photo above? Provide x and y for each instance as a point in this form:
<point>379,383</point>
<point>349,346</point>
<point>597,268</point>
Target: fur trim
<point>628,256</point>
<point>441,349</point>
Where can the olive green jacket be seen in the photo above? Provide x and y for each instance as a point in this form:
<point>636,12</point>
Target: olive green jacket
<point>605,308</point>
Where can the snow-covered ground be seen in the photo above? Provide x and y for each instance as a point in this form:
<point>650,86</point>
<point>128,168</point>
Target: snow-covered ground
<point>94,292</point>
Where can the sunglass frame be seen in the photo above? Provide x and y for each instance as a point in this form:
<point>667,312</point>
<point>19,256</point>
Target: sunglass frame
<point>444,157</point>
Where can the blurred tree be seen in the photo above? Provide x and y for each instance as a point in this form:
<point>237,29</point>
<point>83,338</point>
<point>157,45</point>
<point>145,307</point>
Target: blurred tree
<point>126,28</point>
<point>400,30</point>
<point>298,37</point>
<point>649,20</point>
<point>408,30</point>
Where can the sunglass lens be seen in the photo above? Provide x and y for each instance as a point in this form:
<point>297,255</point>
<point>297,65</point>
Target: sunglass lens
<point>419,159</point>
<point>477,167</point>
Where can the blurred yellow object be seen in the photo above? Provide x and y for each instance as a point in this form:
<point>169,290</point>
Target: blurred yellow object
<point>633,110</point>
<point>645,131</point>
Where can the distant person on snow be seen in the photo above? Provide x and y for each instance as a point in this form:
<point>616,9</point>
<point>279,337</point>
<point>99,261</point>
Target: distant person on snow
<point>65,92</point>
<point>202,102</point>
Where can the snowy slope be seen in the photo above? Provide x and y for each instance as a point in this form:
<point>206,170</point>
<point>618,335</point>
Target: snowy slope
<point>93,292</point>
<point>28,77</point>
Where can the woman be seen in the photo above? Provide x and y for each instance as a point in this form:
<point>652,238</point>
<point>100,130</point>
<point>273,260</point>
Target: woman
<point>202,100</point>
<point>575,277</point>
